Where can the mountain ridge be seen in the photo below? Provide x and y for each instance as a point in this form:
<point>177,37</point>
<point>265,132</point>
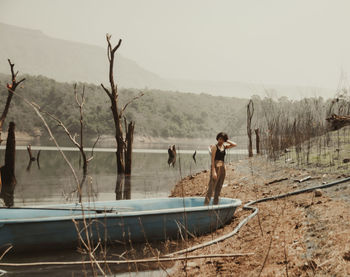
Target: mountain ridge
<point>36,53</point>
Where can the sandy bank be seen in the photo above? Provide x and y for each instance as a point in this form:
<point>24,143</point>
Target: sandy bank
<point>303,235</point>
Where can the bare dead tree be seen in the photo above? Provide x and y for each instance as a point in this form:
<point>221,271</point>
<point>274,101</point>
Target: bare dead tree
<point>80,104</point>
<point>250,112</point>
<point>124,143</point>
<point>8,179</point>
<point>10,88</point>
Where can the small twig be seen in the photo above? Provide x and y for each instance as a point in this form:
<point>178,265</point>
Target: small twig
<point>276,181</point>
<point>60,123</point>
<point>88,245</point>
<point>106,90</point>
<point>93,147</point>
<point>303,179</point>
<point>130,101</point>
<point>5,252</point>
<point>285,254</point>
<point>325,262</point>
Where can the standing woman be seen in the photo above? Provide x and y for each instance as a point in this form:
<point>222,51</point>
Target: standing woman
<point>217,169</point>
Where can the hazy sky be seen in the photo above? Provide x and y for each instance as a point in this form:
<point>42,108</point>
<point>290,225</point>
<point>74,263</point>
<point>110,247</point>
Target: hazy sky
<point>298,42</point>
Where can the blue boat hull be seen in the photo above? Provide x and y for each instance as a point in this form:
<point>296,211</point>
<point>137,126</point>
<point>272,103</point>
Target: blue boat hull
<point>112,222</point>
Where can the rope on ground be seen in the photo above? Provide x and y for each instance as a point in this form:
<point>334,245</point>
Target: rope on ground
<point>255,210</point>
<point>151,260</point>
<point>2,272</point>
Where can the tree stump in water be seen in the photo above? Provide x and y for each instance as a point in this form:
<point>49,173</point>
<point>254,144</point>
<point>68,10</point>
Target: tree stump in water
<point>257,140</point>
<point>8,179</point>
<point>172,155</point>
<point>250,112</point>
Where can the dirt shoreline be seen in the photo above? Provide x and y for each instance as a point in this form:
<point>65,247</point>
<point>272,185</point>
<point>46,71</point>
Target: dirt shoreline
<point>303,235</point>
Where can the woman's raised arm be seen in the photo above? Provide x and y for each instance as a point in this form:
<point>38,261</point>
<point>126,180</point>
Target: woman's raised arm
<point>230,144</point>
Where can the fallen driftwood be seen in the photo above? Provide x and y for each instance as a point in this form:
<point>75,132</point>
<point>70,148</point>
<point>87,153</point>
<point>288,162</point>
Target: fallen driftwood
<point>337,122</point>
<point>276,181</point>
<point>303,179</point>
<point>150,260</point>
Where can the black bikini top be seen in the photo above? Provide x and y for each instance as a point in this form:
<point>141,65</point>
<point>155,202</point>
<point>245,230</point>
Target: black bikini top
<point>220,154</point>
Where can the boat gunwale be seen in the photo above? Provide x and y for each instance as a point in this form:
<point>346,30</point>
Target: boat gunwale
<point>234,204</point>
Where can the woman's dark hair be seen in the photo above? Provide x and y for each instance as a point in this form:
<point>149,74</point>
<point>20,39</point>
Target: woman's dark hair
<point>222,135</point>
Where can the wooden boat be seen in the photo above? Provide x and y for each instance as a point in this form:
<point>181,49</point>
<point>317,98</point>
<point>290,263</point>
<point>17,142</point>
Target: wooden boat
<point>40,227</point>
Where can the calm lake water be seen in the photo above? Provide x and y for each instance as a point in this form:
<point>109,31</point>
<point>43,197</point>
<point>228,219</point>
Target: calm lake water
<point>53,183</point>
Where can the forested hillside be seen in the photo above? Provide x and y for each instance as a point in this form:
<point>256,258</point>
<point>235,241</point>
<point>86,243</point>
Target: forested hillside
<point>157,113</point>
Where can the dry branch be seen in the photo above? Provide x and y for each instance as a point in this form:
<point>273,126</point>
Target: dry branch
<point>5,252</point>
<point>130,101</point>
<point>10,88</point>
<point>337,122</point>
<point>151,260</point>
<point>303,179</point>
<point>276,181</point>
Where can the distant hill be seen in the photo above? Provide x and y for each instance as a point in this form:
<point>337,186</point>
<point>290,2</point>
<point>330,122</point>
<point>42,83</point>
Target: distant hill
<point>38,54</point>
<point>158,113</point>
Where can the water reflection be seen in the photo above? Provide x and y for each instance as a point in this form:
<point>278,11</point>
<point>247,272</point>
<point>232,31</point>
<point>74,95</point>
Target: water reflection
<point>194,156</point>
<point>32,158</point>
<point>123,187</point>
<point>7,194</point>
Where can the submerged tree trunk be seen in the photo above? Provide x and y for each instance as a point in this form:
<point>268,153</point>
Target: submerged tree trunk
<point>8,179</point>
<point>257,140</point>
<point>129,141</point>
<point>250,112</point>
<point>119,187</point>
<point>127,187</point>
